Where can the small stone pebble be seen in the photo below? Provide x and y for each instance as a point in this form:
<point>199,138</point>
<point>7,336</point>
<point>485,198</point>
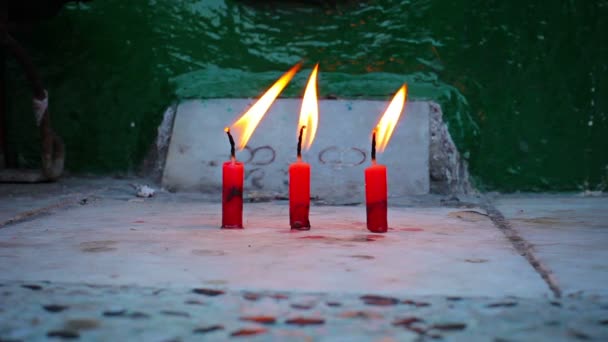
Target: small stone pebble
<point>208,292</point>
<point>143,191</point>
<point>476,261</point>
<point>359,256</point>
<point>334,304</point>
<point>208,329</point>
<point>361,314</point>
<point>415,303</point>
<point>301,306</point>
<point>305,321</point>
<point>501,305</point>
<point>78,324</point>
<point>114,313</point>
<point>138,315</point>
<point>32,287</point>
<point>379,300</point>
<point>54,308</point>
<point>64,334</point>
<point>449,326</point>
<point>175,313</point>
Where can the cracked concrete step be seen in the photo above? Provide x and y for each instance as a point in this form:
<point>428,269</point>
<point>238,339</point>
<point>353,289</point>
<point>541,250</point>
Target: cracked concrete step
<point>569,235</point>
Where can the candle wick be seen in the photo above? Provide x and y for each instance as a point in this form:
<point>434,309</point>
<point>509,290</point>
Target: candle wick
<point>232,151</point>
<point>374,147</point>
<point>300,143</point>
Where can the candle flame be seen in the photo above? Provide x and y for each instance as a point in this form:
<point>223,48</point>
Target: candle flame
<point>386,125</point>
<point>248,122</point>
<point>309,113</point>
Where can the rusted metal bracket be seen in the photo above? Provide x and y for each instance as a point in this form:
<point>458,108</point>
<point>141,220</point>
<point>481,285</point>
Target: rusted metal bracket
<point>52,147</point>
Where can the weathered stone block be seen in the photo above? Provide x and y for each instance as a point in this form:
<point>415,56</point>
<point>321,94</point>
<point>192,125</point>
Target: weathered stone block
<point>338,156</point>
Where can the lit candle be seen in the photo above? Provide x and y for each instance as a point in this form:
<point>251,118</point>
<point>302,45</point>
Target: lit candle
<point>376,189</point>
<point>233,174</point>
<point>376,194</point>
<point>299,190</point>
<point>232,170</point>
<point>299,172</point>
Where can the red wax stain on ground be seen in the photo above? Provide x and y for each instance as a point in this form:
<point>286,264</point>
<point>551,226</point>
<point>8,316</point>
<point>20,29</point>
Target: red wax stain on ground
<point>260,319</point>
<point>411,229</point>
<point>373,237</point>
<point>249,332</point>
<point>354,238</point>
<point>313,237</point>
<point>278,296</point>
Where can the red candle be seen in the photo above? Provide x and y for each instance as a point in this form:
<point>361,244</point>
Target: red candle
<point>232,190</point>
<point>299,195</point>
<point>299,172</point>
<point>376,194</point>
<point>376,188</point>
<point>233,171</point>
<point>299,191</point>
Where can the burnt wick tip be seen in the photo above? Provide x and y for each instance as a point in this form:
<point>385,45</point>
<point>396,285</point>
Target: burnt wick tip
<point>374,146</point>
<point>299,151</point>
<point>231,140</point>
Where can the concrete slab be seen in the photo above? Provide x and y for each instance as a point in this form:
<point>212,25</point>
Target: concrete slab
<point>173,242</point>
<point>20,201</point>
<point>116,267</point>
<point>338,156</point>
<point>569,234</point>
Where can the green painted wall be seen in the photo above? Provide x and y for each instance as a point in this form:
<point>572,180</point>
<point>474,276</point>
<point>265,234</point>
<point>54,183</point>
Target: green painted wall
<point>523,84</point>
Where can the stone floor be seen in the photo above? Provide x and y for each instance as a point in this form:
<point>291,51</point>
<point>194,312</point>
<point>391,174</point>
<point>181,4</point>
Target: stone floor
<point>87,259</point>
<point>38,310</point>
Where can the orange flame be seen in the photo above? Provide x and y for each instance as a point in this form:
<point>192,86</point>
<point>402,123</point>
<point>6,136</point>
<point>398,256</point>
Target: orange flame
<point>389,119</point>
<point>309,113</point>
<point>248,122</point>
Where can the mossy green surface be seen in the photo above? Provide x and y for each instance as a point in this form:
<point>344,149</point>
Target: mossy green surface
<point>523,84</point>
